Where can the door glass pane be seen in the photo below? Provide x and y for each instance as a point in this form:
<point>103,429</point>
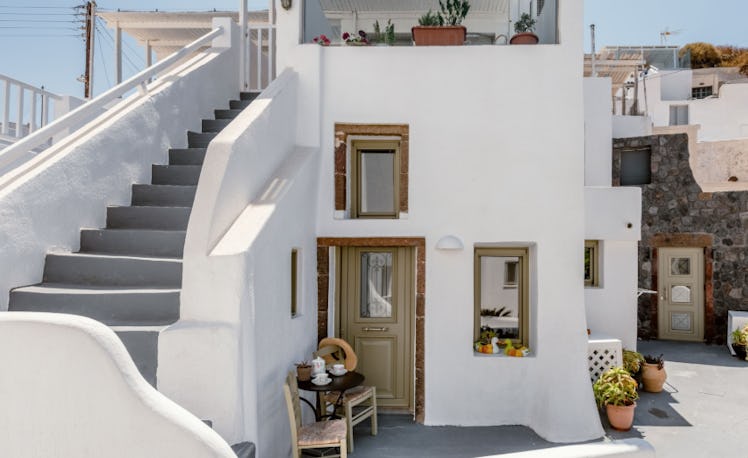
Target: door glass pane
<point>499,295</point>
<point>680,266</point>
<point>680,294</point>
<point>377,181</point>
<point>376,285</point>
<point>680,321</point>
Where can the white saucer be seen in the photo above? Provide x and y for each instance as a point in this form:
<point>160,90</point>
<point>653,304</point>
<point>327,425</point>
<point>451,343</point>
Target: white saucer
<point>338,374</point>
<point>320,383</point>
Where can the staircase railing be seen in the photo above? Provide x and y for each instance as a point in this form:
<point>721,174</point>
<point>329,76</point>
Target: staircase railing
<point>259,60</point>
<point>26,121</point>
<point>76,118</point>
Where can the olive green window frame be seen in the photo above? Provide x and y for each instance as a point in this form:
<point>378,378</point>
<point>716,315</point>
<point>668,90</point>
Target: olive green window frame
<point>295,276</point>
<point>523,288</point>
<point>367,146</point>
<point>592,253</point>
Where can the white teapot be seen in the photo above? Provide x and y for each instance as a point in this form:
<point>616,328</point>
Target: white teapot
<point>318,366</point>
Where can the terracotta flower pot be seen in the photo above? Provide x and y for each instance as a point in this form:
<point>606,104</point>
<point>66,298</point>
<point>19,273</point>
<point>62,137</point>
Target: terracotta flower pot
<point>304,373</point>
<point>653,378</point>
<point>621,417</point>
<point>451,35</point>
<point>524,38</point>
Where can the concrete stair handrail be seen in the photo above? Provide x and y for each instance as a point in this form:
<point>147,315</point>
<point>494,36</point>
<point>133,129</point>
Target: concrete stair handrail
<point>70,388</point>
<point>83,113</point>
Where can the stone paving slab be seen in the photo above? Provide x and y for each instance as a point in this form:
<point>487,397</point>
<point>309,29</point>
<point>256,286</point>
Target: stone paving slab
<point>703,412</point>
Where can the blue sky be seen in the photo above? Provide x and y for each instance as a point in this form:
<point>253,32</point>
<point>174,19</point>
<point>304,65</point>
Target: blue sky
<point>42,47</point>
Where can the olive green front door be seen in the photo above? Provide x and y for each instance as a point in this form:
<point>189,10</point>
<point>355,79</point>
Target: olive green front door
<point>680,277</point>
<point>376,297</point>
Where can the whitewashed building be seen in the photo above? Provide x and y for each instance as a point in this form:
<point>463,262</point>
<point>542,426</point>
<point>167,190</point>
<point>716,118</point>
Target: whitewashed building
<point>411,189</point>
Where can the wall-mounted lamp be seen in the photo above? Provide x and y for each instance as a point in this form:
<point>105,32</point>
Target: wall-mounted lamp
<point>449,242</point>
<point>286,4</point>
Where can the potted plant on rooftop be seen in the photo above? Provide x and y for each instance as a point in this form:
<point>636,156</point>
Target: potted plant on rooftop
<point>443,28</point>
<point>616,391</point>
<point>524,29</point>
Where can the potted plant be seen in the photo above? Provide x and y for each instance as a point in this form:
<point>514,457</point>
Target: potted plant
<point>653,373</point>
<point>632,362</point>
<point>443,28</point>
<point>616,391</point>
<point>524,29</point>
<point>304,371</point>
<point>740,342</point>
<point>387,36</point>
<point>357,39</point>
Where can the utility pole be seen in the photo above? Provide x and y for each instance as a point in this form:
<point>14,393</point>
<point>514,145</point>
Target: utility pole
<point>593,63</point>
<point>90,27</point>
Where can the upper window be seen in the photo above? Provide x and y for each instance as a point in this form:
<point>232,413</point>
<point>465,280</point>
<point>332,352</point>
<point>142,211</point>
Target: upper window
<point>375,182</point>
<point>502,293</point>
<point>591,263</point>
<point>701,92</point>
<point>636,168</point>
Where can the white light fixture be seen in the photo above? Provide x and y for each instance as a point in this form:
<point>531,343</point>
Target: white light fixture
<point>450,242</point>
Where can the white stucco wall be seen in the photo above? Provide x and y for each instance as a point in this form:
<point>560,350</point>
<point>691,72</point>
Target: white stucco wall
<point>631,126</point>
<point>675,84</point>
<point>74,391</point>
<point>611,306</point>
<point>721,118</point>
<point>255,202</point>
<point>490,165</point>
<point>68,186</point>
<point>598,163</point>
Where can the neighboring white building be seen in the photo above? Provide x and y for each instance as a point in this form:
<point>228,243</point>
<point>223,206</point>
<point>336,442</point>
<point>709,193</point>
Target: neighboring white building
<point>412,188</point>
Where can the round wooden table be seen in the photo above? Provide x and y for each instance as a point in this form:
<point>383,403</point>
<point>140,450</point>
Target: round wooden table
<point>350,379</point>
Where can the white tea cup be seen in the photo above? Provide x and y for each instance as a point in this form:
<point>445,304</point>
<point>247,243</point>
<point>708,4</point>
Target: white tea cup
<point>338,368</point>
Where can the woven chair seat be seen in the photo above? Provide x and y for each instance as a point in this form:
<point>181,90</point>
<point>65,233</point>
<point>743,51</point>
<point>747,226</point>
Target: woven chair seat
<point>354,395</point>
<point>322,433</point>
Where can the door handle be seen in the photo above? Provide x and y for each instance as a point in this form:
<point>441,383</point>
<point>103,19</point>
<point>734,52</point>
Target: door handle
<point>375,329</point>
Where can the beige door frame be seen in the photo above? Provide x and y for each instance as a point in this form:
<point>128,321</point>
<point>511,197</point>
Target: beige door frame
<point>681,293</point>
<point>324,282</point>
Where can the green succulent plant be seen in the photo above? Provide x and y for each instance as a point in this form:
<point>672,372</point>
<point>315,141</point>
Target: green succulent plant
<point>615,387</point>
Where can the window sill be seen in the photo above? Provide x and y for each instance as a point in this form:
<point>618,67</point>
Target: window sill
<point>501,355</point>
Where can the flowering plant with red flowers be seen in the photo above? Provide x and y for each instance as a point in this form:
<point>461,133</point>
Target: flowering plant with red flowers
<point>358,39</point>
<point>321,40</point>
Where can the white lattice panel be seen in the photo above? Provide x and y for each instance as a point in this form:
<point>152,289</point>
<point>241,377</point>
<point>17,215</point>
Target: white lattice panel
<point>602,354</point>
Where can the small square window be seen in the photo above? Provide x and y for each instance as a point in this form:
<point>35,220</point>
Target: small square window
<point>591,263</point>
<point>636,168</point>
<point>375,182</point>
<point>701,92</point>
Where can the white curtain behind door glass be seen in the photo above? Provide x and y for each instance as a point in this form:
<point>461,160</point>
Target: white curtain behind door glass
<point>376,285</point>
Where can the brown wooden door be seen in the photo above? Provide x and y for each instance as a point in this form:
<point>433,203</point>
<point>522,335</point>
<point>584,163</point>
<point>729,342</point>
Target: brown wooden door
<point>680,277</point>
<point>377,291</point>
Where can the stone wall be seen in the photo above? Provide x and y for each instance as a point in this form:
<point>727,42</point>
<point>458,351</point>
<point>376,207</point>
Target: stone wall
<point>675,212</point>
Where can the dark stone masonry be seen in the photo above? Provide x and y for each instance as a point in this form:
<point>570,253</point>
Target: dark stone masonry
<point>676,213</point>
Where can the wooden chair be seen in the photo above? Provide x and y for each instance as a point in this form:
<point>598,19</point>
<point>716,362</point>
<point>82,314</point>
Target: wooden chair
<point>337,351</point>
<point>321,435</point>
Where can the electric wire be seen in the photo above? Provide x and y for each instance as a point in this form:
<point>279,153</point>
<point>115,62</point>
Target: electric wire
<point>103,65</point>
<point>134,51</point>
<point>105,33</point>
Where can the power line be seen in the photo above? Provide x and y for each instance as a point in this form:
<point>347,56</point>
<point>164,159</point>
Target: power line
<point>103,64</point>
<point>133,66</point>
<point>35,27</point>
<point>127,45</point>
<point>51,7</point>
<point>37,20</point>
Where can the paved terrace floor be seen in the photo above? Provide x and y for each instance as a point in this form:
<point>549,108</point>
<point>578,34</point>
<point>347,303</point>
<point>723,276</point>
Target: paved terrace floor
<point>703,412</point>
